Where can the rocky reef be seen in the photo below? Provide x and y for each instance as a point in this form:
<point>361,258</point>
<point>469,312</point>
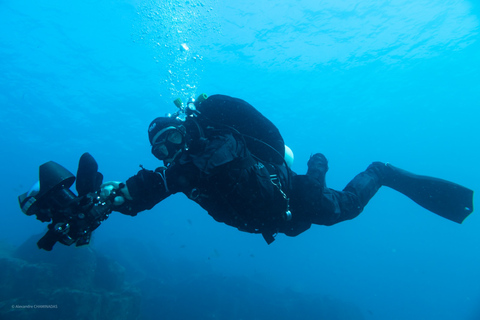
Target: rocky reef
<point>130,279</point>
<point>67,283</point>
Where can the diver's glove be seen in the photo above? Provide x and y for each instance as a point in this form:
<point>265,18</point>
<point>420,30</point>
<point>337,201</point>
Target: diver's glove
<point>120,189</point>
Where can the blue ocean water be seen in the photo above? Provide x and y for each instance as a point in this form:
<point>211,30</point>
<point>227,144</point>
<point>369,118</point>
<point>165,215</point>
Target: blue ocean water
<point>359,81</point>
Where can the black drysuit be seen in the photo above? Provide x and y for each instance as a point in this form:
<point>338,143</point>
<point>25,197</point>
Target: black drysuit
<point>234,169</point>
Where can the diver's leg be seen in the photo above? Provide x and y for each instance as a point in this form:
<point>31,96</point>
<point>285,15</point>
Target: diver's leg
<point>349,203</point>
<point>333,206</point>
<point>447,199</point>
<point>318,167</point>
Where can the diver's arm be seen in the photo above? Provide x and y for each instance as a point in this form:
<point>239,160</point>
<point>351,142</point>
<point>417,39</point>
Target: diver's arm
<point>141,192</point>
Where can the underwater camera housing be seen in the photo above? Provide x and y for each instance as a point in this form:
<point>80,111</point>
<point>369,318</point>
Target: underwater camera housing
<point>72,217</point>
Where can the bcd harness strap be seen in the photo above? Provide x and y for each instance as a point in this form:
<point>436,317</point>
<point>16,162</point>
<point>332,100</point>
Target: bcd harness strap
<point>287,215</point>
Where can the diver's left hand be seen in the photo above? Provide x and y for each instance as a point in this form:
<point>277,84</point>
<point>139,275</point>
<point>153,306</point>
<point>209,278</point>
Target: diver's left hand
<point>119,187</point>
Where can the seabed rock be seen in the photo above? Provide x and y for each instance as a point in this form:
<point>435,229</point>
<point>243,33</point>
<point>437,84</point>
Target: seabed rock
<point>66,283</point>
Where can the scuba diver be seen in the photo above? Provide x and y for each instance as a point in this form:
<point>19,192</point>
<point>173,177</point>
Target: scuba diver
<point>226,156</point>
<point>229,158</point>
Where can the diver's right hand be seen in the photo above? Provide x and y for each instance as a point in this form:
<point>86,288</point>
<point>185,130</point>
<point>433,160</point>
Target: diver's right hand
<point>120,188</point>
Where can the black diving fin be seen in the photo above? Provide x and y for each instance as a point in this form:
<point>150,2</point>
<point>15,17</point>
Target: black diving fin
<point>447,199</point>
